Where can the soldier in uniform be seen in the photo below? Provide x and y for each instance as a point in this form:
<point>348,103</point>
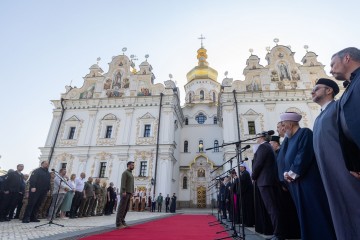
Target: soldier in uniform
<point>96,200</point>
<point>85,208</point>
<point>25,200</point>
<point>102,200</point>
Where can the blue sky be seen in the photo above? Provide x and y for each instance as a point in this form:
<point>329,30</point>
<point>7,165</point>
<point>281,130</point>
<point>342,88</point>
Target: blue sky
<point>45,45</point>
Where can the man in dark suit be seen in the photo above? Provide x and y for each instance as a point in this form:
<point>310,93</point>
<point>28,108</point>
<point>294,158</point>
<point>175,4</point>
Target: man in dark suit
<point>265,175</point>
<point>167,203</point>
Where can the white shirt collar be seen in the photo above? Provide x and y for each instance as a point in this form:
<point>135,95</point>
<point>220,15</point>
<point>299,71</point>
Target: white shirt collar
<point>325,105</point>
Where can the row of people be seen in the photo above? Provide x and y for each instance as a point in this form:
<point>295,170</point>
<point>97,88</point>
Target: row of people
<point>319,169</point>
<point>309,186</point>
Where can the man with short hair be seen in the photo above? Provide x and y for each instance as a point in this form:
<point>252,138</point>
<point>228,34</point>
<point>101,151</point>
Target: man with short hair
<point>97,199</point>
<point>265,175</point>
<point>126,191</point>
<point>167,203</point>
<point>341,188</point>
<point>159,202</point>
<point>345,65</point>
<point>39,186</point>
<point>303,180</point>
<point>79,195</point>
<point>85,206</point>
<point>12,192</point>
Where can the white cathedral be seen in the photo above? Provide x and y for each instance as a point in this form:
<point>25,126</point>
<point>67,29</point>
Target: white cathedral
<point>122,116</point>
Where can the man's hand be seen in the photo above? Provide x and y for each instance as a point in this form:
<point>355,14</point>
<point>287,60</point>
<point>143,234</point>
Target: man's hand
<point>355,174</point>
<point>33,189</point>
<point>124,194</point>
<point>287,177</point>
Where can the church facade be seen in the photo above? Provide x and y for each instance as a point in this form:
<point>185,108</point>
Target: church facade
<point>122,116</point>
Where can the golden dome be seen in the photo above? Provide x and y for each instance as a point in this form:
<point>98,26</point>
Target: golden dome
<point>202,70</point>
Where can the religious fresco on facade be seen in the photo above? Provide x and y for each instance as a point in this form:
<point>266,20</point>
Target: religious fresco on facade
<point>126,83</point>
<point>144,92</point>
<point>284,72</point>
<point>88,93</point>
<point>107,84</point>
<point>115,92</point>
<point>117,80</point>
<point>274,76</point>
<point>295,75</point>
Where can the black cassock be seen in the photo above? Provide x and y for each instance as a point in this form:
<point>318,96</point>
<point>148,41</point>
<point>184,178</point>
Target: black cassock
<point>173,204</point>
<point>263,223</point>
<point>342,189</point>
<point>247,198</point>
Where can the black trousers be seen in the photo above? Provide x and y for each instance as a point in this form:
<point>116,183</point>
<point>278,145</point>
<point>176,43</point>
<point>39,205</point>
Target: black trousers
<point>76,203</point>
<point>9,203</point>
<point>34,202</point>
<point>271,196</point>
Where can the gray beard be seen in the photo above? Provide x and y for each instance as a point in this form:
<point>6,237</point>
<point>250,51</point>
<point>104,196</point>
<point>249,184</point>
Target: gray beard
<point>288,134</point>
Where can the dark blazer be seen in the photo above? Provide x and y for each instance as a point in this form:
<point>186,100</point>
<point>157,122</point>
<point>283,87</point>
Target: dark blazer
<point>264,167</point>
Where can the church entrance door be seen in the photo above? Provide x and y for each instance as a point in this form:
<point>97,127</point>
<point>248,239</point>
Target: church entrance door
<point>201,197</point>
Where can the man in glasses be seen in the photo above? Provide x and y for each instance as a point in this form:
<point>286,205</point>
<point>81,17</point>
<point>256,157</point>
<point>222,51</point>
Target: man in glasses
<point>341,188</point>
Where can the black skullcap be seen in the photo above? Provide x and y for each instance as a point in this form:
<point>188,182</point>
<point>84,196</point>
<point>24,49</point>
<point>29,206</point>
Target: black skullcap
<point>329,83</point>
<point>275,139</point>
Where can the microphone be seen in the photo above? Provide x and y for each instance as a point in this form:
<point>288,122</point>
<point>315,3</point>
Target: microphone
<point>270,132</point>
<point>53,170</point>
<point>246,147</point>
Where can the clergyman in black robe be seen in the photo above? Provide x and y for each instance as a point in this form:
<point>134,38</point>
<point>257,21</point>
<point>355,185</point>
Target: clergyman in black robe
<point>247,196</point>
<point>304,181</point>
<point>342,188</point>
<point>173,204</point>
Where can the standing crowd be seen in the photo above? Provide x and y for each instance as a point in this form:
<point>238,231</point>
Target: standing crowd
<point>53,195</point>
<point>308,186</point>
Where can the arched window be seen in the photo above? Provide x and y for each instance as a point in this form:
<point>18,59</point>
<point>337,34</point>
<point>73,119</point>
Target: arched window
<point>186,121</point>
<point>216,146</point>
<point>201,118</point>
<point>215,120</point>
<point>201,95</point>
<point>185,182</point>
<point>201,146</point>
<point>214,98</point>
<point>189,97</point>
<point>186,146</point>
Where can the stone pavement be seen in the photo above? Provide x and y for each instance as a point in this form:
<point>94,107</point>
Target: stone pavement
<point>76,228</point>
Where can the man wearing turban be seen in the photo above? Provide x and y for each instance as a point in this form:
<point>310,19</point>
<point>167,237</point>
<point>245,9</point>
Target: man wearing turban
<point>303,180</point>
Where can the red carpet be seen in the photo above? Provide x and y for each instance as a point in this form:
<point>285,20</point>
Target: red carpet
<point>182,227</point>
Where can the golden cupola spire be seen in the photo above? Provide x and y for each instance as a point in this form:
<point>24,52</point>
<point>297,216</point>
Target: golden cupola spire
<point>202,71</point>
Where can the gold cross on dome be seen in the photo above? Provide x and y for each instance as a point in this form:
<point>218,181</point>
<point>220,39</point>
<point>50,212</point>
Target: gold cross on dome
<point>201,39</point>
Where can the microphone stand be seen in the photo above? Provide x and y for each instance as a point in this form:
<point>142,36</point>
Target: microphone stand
<point>239,159</point>
<point>57,196</point>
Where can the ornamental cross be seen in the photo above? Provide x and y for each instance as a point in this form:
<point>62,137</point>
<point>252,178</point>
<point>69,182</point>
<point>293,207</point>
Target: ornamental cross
<point>201,39</point>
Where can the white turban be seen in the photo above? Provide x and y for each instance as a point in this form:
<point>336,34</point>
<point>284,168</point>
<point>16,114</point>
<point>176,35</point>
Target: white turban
<point>290,116</point>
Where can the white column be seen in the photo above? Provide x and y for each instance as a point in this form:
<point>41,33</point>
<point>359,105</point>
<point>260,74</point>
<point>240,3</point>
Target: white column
<point>128,125</point>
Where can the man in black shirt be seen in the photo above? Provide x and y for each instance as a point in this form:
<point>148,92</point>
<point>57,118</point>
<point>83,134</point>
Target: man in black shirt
<point>39,186</point>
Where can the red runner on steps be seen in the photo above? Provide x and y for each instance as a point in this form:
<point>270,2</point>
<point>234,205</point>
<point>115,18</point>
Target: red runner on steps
<point>180,227</point>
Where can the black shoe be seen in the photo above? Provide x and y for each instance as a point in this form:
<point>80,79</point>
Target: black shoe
<point>25,221</point>
<point>34,220</point>
<point>7,219</point>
